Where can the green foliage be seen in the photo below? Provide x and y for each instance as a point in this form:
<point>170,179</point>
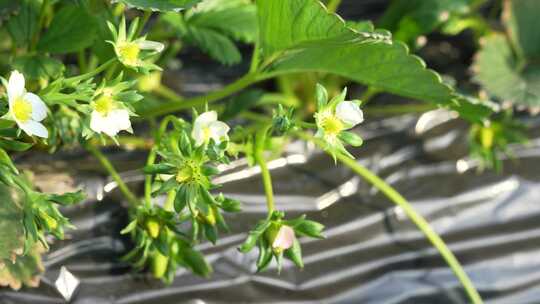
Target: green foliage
<point>522,22</point>
<point>72,29</point>
<point>78,63</point>
<point>300,36</point>
<point>37,67</point>
<point>241,102</point>
<point>23,26</point>
<point>160,5</point>
<point>11,229</point>
<point>26,271</point>
<point>213,26</point>
<point>409,19</point>
<point>508,68</point>
<point>161,245</point>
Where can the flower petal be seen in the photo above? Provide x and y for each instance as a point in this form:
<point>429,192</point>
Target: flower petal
<point>121,118</point>
<point>218,130</point>
<point>349,112</point>
<point>32,127</point>
<point>284,239</point>
<point>15,86</point>
<point>39,109</point>
<point>198,134</point>
<point>205,119</point>
<point>97,122</point>
<point>151,45</point>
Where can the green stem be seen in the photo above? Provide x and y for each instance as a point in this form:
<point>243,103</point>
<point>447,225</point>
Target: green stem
<point>152,158</point>
<point>177,105</point>
<point>132,199</point>
<point>255,58</point>
<point>167,93</point>
<point>415,217</point>
<point>81,58</point>
<point>93,73</point>
<point>260,139</point>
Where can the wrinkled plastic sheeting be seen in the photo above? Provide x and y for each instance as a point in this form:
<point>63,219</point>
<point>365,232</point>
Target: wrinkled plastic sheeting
<point>372,253</point>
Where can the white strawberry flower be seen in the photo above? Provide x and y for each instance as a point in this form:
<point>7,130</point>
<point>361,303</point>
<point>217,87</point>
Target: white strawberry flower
<point>108,117</point>
<point>27,109</point>
<point>207,126</point>
<point>331,122</point>
<point>129,50</point>
<point>284,239</point>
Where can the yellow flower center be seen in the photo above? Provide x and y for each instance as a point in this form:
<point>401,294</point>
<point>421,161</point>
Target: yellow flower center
<point>22,109</point>
<point>129,53</point>
<point>207,134</point>
<point>332,125</point>
<point>190,173</point>
<point>104,105</point>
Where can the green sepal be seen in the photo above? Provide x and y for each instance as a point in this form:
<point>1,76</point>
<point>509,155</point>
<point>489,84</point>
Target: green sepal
<point>254,235</point>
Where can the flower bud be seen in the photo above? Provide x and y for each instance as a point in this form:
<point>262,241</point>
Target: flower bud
<point>149,82</point>
<point>487,135</point>
<point>159,264</point>
<point>281,237</point>
<point>152,227</point>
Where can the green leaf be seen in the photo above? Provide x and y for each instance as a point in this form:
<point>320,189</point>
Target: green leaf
<point>7,7</point>
<point>25,271</point>
<point>23,26</point>
<point>301,36</point>
<point>6,161</point>
<point>235,18</point>
<point>412,18</point>
<point>215,44</point>
<point>521,19</point>
<point>160,5</point>
<point>14,145</point>
<point>213,26</point>
<point>241,102</point>
<point>38,67</point>
<point>72,29</point>
<point>321,95</point>
<point>361,26</point>
<point>11,225</point>
<point>499,72</point>
<point>6,123</point>
<point>67,199</point>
